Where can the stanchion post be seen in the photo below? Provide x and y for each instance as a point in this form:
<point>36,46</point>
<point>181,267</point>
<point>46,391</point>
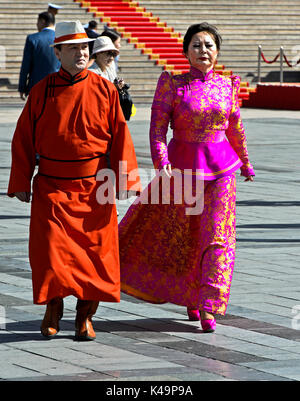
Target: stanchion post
<point>259,64</point>
<point>281,65</point>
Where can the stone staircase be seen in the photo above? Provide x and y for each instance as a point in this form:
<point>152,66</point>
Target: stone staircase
<point>136,68</point>
<point>17,20</point>
<point>154,37</point>
<point>243,24</point>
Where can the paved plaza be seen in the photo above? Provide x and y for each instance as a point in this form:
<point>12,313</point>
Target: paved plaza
<point>257,340</point>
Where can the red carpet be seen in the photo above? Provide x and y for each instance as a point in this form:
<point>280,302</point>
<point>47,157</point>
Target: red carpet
<point>275,96</point>
<point>149,34</point>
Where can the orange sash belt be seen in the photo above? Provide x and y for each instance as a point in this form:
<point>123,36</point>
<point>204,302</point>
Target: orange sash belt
<point>71,169</point>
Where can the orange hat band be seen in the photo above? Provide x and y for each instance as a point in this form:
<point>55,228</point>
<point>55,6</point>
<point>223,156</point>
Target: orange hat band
<point>71,37</point>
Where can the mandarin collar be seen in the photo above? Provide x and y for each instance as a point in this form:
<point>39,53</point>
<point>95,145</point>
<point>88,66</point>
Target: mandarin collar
<point>64,74</point>
<point>195,73</point>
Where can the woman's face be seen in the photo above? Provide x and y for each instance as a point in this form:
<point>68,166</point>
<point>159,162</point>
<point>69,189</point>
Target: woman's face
<point>117,43</point>
<point>202,52</point>
<point>104,59</point>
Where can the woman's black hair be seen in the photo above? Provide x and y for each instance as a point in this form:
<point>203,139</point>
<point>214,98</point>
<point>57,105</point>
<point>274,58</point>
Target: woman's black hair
<point>202,27</point>
<point>111,33</point>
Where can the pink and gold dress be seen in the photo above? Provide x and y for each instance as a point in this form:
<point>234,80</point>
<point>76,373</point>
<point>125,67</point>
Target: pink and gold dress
<point>168,255</point>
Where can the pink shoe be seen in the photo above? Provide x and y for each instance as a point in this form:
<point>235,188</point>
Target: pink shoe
<point>208,325</point>
<point>193,314</point>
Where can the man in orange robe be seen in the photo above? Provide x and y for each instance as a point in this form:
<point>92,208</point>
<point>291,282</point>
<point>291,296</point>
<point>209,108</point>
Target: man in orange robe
<point>74,122</point>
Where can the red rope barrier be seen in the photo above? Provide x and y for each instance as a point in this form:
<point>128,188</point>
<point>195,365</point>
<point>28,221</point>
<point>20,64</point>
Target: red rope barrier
<point>289,64</point>
<point>269,62</point>
<point>275,59</point>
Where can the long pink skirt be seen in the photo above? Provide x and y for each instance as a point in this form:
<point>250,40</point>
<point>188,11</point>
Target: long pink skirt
<point>167,255</point>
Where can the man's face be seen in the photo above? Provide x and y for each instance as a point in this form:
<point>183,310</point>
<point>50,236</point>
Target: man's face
<point>53,11</point>
<point>41,24</point>
<point>73,57</point>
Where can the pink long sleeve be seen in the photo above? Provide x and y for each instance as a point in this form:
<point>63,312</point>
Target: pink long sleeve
<point>236,132</point>
<point>160,118</point>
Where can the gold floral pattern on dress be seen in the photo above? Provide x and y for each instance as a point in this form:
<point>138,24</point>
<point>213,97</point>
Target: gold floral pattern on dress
<point>166,254</point>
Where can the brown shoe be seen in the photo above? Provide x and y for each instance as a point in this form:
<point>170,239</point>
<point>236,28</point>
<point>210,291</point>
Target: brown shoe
<point>53,314</point>
<point>84,330</point>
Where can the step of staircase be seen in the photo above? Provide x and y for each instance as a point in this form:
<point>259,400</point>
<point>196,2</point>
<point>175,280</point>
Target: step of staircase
<point>134,68</point>
<point>244,25</point>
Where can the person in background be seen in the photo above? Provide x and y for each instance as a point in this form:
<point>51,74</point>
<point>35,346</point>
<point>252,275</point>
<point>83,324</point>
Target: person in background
<point>73,119</point>
<point>103,55</point>
<point>116,39</point>
<point>181,249</point>
<point>39,59</point>
<point>91,31</point>
<point>53,9</point>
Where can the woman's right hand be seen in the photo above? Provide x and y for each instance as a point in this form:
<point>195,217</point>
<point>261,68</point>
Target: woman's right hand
<point>119,82</point>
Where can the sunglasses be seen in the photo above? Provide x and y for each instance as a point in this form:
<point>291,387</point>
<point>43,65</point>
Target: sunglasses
<point>109,54</point>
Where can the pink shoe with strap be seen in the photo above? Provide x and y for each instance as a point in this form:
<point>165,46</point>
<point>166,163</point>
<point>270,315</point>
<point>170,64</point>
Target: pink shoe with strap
<point>208,325</point>
<point>193,314</point>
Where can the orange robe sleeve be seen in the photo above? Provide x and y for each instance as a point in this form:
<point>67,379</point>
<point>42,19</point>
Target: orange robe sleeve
<point>23,152</point>
<point>122,154</point>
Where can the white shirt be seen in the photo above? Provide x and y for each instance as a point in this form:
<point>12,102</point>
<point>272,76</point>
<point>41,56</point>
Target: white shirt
<point>110,72</point>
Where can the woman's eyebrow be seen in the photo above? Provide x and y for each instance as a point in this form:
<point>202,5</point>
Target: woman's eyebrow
<point>199,42</point>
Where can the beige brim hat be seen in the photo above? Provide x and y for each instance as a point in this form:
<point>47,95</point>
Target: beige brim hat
<point>70,32</point>
<point>104,44</point>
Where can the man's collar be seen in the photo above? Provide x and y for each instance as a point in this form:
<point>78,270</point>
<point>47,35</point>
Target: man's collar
<point>73,79</point>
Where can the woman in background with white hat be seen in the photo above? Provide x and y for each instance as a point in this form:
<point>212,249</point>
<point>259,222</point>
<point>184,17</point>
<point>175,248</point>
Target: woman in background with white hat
<point>104,53</point>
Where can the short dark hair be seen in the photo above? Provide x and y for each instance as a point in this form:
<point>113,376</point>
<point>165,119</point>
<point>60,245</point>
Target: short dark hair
<point>93,24</point>
<point>111,33</point>
<point>47,17</point>
<point>201,27</point>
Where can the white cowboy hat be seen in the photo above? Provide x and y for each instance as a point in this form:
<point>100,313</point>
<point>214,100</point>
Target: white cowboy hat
<point>54,6</point>
<point>104,44</point>
<point>70,32</point>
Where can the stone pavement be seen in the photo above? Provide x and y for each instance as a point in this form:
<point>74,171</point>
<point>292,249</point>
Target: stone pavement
<point>257,340</point>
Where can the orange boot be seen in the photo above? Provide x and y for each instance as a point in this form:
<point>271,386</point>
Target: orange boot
<point>84,330</point>
<point>53,314</point>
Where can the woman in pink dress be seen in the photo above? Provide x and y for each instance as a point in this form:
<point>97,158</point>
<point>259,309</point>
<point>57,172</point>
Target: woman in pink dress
<point>171,252</point>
